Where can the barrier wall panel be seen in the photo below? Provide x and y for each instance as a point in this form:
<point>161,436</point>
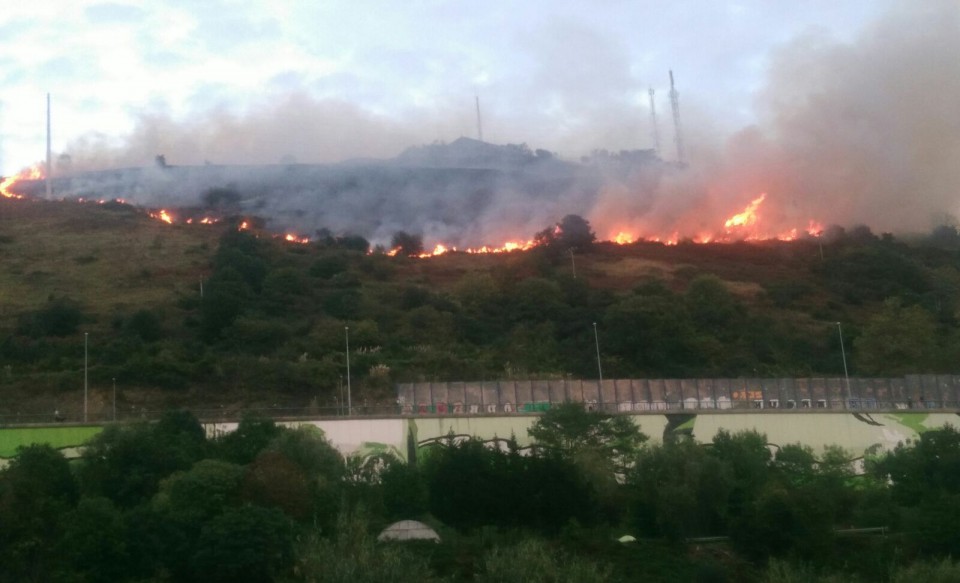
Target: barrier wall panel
<point>508,393</point>
<point>914,390</point>
<point>608,391</point>
<point>575,391</point>
<point>624,391</point>
<point>787,400</point>
<point>591,391</point>
<point>422,394</point>
<point>455,393</point>
<point>405,392</point>
<point>705,393</point>
<point>440,393</point>
<point>641,391</point>
<point>728,388</point>
<point>472,394</point>
<point>944,381</point>
<point>541,392</point>
<point>899,391</point>
<point>490,391</point>
<point>688,390</point>
<point>819,388</point>
<point>524,392</point>
<point>835,392</point>
<point>880,390</point>
<point>558,391</point>
<point>755,390</point>
<point>671,391</point>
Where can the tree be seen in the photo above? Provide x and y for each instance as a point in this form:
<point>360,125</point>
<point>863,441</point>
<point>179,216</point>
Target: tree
<point>677,490</point>
<point>127,463</point>
<point>572,232</point>
<point>575,233</point>
<point>94,541</point>
<point>59,317</point>
<point>897,340</point>
<point>571,431</point>
<point>252,435</point>
<point>246,543</point>
<point>37,490</point>
<point>407,244</point>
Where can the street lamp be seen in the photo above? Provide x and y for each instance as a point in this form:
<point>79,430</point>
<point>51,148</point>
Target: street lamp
<point>86,343</point>
<point>346,330</point>
<point>596,339</point>
<point>843,353</point>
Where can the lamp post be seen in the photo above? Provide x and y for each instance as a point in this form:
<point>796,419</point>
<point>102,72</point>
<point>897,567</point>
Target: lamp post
<point>86,343</point>
<point>843,354</point>
<point>346,331</point>
<point>596,339</point>
<point>114,399</point>
<point>573,264</point>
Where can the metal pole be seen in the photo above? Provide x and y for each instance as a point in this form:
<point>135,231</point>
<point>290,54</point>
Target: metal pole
<point>346,330</point>
<point>49,173</point>
<point>114,399</point>
<point>596,339</point>
<point>573,264</point>
<point>86,342</point>
<point>843,353</point>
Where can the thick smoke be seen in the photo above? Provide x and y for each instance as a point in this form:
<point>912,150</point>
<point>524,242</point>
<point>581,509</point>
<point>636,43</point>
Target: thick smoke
<point>866,132</point>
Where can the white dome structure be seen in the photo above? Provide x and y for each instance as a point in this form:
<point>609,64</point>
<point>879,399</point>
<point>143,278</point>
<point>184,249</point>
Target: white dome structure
<point>408,530</point>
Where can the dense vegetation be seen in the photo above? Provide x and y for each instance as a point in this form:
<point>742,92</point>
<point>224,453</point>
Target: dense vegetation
<point>270,324</point>
<point>162,502</point>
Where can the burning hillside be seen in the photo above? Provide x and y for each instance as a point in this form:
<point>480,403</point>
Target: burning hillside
<point>471,210</point>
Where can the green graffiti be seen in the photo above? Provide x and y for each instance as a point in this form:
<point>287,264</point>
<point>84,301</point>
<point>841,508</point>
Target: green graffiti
<point>58,437</point>
<point>912,421</point>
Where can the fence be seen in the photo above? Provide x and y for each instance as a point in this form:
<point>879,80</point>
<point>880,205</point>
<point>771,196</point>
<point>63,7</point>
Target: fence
<point>642,395</point>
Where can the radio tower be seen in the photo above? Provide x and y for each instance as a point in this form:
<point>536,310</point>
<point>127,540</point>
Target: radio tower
<point>675,104</point>
<point>653,124</point>
<point>479,122</point>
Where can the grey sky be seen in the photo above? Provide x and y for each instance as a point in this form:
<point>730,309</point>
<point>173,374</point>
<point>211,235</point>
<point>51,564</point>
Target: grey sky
<point>564,76</point>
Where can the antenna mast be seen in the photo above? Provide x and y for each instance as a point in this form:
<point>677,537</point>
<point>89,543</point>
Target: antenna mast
<point>675,104</point>
<point>653,124</point>
<point>49,163</point>
<point>479,121</point>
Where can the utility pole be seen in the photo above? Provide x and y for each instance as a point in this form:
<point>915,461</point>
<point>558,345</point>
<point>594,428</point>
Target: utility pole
<point>479,120</point>
<point>49,155</point>
<point>653,125</point>
<point>677,136</point>
<point>596,339</point>
<point>86,343</point>
<point>346,330</point>
<point>843,354</point>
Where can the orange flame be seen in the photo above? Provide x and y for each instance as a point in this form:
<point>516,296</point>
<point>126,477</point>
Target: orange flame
<point>203,221</point>
<point>34,172</point>
<point>163,215</point>
<point>295,239</point>
<point>749,215</point>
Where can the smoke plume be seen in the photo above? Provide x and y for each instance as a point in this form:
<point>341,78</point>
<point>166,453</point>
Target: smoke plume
<point>846,133</point>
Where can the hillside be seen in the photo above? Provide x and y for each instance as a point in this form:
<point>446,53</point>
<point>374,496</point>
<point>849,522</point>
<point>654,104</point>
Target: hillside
<point>270,326</point>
